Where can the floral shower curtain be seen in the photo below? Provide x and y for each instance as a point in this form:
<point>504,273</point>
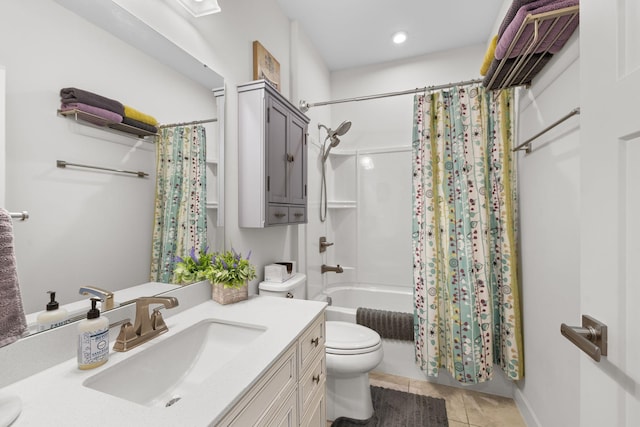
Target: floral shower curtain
<point>467,308</point>
<point>180,220</point>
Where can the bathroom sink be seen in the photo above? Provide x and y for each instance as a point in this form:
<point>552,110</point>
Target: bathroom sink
<point>165,372</point>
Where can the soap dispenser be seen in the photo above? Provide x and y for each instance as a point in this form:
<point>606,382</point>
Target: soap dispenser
<point>53,316</point>
<point>93,339</point>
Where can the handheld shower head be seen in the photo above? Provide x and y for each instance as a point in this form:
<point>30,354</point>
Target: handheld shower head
<point>333,135</point>
<point>342,129</point>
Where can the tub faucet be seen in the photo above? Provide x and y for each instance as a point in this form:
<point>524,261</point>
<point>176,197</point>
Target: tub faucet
<point>325,268</point>
<point>105,296</point>
<point>146,326</point>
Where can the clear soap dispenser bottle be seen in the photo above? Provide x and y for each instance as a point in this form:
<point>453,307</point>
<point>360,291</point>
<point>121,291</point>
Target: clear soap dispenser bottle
<point>93,339</point>
<point>53,315</point>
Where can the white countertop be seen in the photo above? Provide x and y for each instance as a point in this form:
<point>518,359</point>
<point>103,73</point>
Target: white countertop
<point>56,396</point>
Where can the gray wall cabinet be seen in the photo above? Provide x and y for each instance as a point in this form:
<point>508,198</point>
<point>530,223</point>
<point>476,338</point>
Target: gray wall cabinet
<point>272,158</point>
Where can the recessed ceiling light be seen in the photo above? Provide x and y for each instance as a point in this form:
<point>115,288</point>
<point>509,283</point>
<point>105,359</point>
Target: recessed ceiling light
<point>399,37</point>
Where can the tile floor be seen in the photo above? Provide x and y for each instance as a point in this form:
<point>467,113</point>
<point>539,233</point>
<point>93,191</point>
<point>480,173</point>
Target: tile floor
<point>465,408</point>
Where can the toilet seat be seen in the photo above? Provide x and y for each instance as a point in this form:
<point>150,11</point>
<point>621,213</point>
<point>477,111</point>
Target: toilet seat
<point>350,338</point>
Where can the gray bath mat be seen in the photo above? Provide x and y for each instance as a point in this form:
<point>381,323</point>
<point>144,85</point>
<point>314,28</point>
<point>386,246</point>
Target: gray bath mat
<point>392,408</point>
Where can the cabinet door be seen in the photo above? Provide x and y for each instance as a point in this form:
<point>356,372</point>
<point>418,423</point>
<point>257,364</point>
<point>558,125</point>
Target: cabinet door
<point>277,135</point>
<point>297,156</point>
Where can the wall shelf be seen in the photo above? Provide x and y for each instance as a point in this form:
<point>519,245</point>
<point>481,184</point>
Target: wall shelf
<point>97,121</point>
<point>520,70</point>
<point>341,204</point>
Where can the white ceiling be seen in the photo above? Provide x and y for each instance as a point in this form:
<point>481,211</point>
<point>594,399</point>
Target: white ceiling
<point>353,33</point>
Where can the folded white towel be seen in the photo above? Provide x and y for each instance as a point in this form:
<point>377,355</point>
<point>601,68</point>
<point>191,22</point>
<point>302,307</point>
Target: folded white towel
<point>13,323</point>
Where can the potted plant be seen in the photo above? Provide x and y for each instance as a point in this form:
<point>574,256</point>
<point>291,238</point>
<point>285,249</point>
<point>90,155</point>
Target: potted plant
<point>193,268</point>
<point>228,272</point>
<point>229,275</point>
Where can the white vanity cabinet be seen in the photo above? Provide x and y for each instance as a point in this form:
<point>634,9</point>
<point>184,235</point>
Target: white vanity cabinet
<point>292,392</point>
<point>272,163</point>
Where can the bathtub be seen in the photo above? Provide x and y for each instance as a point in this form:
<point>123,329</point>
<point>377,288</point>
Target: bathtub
<point>344,300</point>
<point>399,356</point>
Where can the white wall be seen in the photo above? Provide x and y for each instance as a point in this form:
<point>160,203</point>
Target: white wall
<point>86,227</point>
<point>387,122</point>
<point>549,181</point>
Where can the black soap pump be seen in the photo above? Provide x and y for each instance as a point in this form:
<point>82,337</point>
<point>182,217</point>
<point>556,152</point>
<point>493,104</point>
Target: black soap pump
<point>53,315</point>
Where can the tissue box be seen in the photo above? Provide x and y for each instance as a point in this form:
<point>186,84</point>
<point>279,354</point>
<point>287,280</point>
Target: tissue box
<point>278,272</point>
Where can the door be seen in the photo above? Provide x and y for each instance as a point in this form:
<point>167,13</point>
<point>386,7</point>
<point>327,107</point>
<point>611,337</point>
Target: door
<point>297,157</point>
<point>610,207</point>
<point>277,135</point>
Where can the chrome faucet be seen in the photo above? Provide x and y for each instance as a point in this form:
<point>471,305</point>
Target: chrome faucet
<point>325,268</point>
<point>105,296</point>
<point>146,326</point>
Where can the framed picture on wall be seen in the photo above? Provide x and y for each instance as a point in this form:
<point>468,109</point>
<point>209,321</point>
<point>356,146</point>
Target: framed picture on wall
<point>265,66</point>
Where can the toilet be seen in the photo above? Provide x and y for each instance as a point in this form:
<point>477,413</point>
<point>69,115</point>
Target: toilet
<point>352,351</point>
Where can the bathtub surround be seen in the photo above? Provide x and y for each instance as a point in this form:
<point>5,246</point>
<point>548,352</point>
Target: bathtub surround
<point>467,309</point>
<point>180,221</point>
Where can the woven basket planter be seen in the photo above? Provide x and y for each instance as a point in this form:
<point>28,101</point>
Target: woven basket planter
<point>223,295</point>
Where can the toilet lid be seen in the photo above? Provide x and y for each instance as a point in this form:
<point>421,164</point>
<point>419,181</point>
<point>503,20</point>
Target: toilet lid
<point>345,336</point>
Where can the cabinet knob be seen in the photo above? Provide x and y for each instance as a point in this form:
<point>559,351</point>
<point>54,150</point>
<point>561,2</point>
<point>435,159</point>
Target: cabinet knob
<point>290,157</point>
<point>315,341</point>
<point>316,378</point>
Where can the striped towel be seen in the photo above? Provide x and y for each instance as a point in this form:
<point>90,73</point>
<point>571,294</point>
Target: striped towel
<point>389,324</point>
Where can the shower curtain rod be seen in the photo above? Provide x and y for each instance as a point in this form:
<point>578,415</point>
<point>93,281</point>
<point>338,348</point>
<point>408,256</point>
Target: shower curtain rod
<point>304,105</point>
<point>195,122</point>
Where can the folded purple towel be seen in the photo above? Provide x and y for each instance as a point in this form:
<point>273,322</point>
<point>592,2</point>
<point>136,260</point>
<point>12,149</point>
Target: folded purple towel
<point>511,13</point>
<point>525,74</point>
<point>69,95</point>
<point>100,112</point>
<point>13,323</point>
<point>556,36</point>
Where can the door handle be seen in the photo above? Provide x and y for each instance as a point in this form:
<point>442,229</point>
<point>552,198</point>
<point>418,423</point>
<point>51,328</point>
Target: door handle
<point>591,337</point>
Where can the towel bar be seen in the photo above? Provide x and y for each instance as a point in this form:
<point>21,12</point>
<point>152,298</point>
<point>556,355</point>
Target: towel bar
<point>22,216</point>
<point>63,164</point>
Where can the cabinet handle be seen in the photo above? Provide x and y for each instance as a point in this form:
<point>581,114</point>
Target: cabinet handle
<point>315,341</point>
<point>298,214</point>
<point>316,378</point>
<point>279,215</point>
<point>290,157</point>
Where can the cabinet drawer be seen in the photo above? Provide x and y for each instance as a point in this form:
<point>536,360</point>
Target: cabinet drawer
<point>311,344</point>
<point>312,383</point>
<point>277,214</point>
<point>262,402</point>
<point>297,214</point>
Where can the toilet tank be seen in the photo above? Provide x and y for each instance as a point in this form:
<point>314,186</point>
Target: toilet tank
<point>292,288</point>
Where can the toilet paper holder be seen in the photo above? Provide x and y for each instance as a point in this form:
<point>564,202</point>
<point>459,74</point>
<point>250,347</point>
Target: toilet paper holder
<point>591,337</point>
